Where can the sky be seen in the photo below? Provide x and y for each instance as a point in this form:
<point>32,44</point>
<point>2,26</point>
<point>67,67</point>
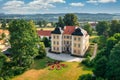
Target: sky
<point>59,6</point>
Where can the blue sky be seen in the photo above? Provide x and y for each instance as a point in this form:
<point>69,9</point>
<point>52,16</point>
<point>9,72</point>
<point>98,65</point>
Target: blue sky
<point>59,6</point>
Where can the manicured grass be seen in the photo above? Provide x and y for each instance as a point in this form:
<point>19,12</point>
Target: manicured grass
<point>71,72</point>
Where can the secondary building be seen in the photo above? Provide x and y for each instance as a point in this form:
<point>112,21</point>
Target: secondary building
<point>73,40</point>
<point>44,33</point>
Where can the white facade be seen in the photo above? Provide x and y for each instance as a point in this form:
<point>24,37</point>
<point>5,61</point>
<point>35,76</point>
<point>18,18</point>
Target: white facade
<point>72,44</point>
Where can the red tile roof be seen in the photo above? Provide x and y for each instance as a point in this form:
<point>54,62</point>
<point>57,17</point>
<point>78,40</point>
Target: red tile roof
<point>4,31</point>
<point>69,29</point>
<point>44,33</point>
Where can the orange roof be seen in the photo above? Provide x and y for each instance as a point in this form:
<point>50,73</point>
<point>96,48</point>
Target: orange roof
<point>44,33</point>
<point>4,31</point>
<point>69,29</point>
<point>2,41</point>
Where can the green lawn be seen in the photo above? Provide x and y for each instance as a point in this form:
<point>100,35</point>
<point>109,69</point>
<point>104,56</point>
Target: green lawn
<point>39,71</point>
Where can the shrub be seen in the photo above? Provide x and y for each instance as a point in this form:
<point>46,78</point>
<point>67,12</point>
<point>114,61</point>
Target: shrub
<point>46,41</point>
<point>86,77</point>
<point>99,78</point>
<point>42,51</point>
<point>87,62</point>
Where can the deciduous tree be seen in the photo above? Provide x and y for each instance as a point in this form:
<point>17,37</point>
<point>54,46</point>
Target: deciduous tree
<point>60,23</point>
<point>70,20</point>
<point>24,41</point>
<point>102,28</point>
<point>88,28</point>
<point>113,69</point>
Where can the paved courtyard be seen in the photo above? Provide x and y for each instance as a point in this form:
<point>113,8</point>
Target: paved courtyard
<point>64,57</point>
<point>68,57</point>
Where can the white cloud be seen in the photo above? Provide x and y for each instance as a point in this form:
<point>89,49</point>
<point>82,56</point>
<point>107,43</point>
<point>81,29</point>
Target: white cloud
<point>106,1</point>
<point>77,4</point>
<point>92,1</point>
<point>101,1</point>
<point>20,7</point>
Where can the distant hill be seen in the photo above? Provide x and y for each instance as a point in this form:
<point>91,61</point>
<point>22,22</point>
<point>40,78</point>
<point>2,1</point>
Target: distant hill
<point>54,17</point>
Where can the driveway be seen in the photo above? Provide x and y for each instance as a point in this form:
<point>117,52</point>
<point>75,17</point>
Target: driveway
<point>64,57</point>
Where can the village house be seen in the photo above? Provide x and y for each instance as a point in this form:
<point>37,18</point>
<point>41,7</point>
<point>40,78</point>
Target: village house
<point>73,40</point>
<point>44,33</point>
<point>4,35</point>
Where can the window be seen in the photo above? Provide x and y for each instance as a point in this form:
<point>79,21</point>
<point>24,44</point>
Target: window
<point>67,42</point>
<point>57,37</point>
<point>53,48</point>
<point>54,37</point>
<point>67,37</point>
<point>74,51</point>
<point>74,45</point>
<point>57,43</point>
<point>75,38</point>
<point>79,45</point>
<point>78,39</point>
<point>64,37</point>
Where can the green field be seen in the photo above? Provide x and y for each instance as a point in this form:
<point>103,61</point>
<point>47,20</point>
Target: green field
<point>39,71</point>
<point>46,29</point>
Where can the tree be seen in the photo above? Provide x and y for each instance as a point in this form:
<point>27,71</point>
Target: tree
<point>53,24</point>
<point>46,41</point>
<point>3,59</point>
<point>70,20</point>
<point>44,23</point>
<point>112,41</point>
<point>114,27</point>
<point>102,28</point>
<point>24,41</point>
<point>88,28</point>
<point>3,26</point>
<point>102,42</point>
<point>100,67</point>
<point>5,67</point>
<point>40,23</point>
<point>60,22</point>
<point>113,69</point>
<point>42,51</point>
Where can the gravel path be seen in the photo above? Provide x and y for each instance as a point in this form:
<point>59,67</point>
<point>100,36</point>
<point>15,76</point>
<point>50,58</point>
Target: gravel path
<point>64,57</point>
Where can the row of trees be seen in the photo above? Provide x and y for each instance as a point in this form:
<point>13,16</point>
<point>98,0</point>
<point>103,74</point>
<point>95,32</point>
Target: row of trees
<point>106,64</point>
<point>42,23</point>
<point>108,28</point>
<point>107,61</point>
<point>25,46</point>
